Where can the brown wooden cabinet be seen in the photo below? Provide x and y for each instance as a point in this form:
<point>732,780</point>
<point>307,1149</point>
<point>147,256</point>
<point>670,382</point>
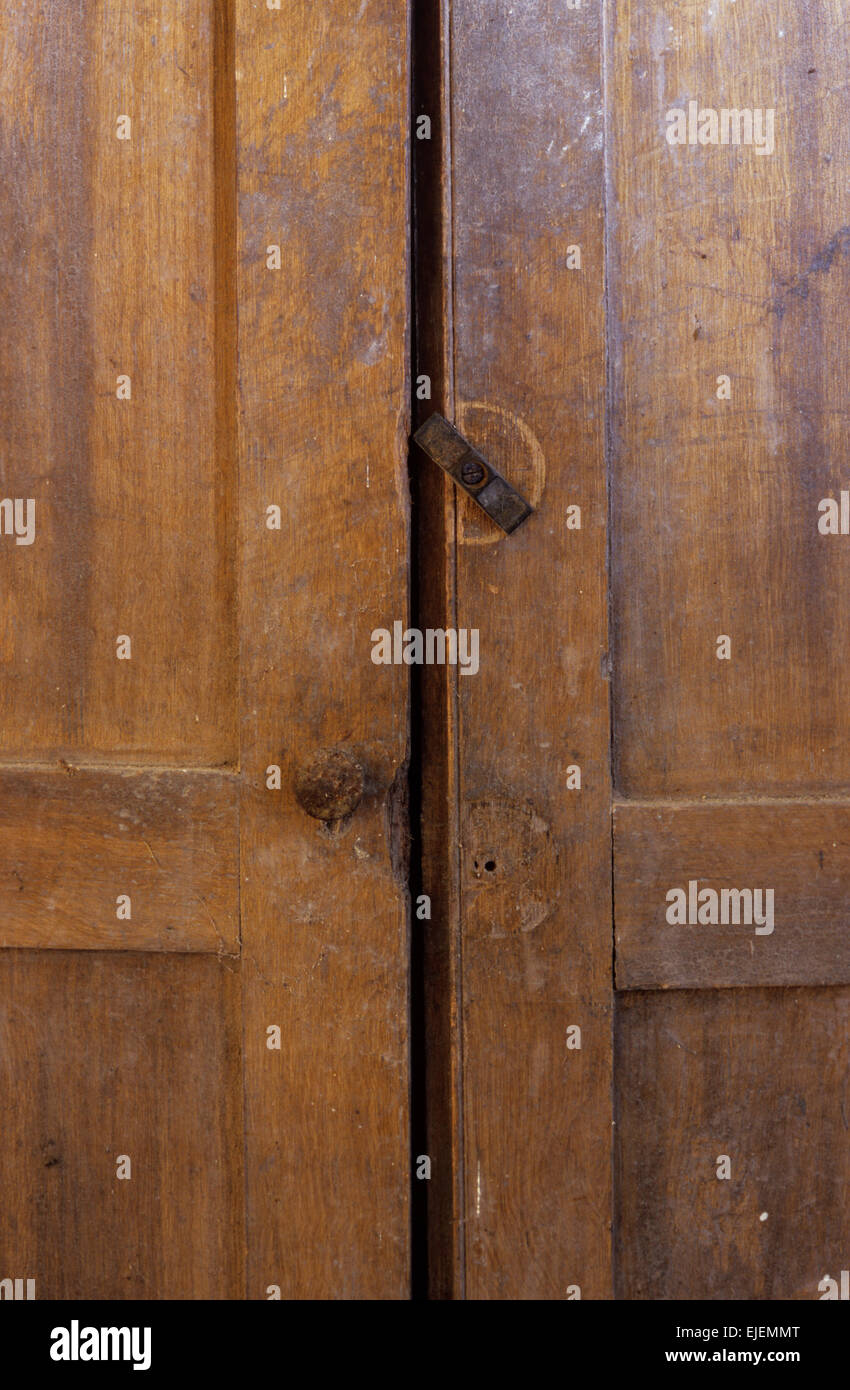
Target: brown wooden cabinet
<point>279,921</point>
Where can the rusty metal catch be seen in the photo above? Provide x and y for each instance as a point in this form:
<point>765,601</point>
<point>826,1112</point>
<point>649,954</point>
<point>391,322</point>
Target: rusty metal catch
<point>471,471</point>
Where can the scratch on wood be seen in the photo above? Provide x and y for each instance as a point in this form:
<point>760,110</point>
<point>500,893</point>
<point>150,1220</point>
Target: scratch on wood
<point>151,853</point>
<point>821,264</point>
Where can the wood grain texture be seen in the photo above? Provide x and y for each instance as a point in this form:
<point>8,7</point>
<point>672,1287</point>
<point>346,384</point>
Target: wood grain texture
<point>104,1055</point>
<point>527,183</point>
<point>762,1077</point>
<point>799,850</point>
<point>111,272</point>
<point>72,842</point>
<point>726,262</point>
<point>324,411</point>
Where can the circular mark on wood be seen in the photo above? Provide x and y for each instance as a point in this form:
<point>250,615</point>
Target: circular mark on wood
<point>511,868</point>
<point>330,785</point>
<point>513,448</point>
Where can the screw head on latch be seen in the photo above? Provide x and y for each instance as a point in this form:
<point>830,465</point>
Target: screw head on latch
<point>329,786</point>
<point>471,472</point>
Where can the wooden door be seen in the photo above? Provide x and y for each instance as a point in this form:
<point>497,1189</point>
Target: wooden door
<point>618,1033</point>
<point>204,399</point>
<point>620,308</point>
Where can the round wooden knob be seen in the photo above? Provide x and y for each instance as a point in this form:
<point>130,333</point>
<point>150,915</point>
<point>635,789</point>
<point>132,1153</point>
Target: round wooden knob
<point>330,785</point>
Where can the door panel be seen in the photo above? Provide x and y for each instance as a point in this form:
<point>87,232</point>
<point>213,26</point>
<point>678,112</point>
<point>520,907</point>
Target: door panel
<point>112,288</point>
<point>779,873</point>
<point>730,264</point>
<point>107,1056</point>
<point>757,1075</point>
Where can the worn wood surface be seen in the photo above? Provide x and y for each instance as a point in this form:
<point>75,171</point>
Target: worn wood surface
<point>322,149</point>
<point>534,1123</point>
<point>729,347</point>
<point>73,842</point>
<point>800,851</point>
<point>103,1055</point>
<point>110,272</point>
<point>256,133</point>
<point>112,778</point>
<point>760,1076</point>
<point>724,262</point>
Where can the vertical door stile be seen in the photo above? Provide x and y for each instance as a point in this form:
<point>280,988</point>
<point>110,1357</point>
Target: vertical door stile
<point>323,380</point>
<point>522,1045</point>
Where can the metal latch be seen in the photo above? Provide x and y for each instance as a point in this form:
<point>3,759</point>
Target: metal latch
<point>471,471</point>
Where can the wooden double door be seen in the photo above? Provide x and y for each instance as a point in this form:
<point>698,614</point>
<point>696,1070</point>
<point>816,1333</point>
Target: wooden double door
<point>334,979</point>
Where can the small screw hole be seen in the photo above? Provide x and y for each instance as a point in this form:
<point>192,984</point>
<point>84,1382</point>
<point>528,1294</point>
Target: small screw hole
<point>490,865</point>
